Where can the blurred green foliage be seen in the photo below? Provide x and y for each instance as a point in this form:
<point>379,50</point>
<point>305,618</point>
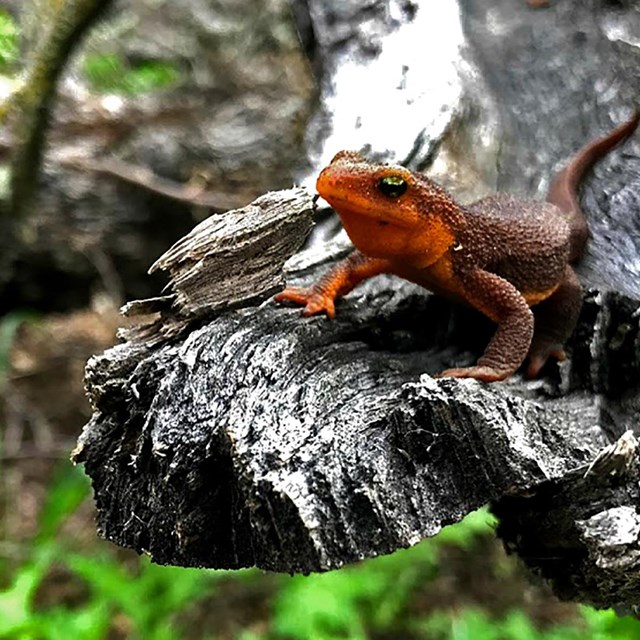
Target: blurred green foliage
<point>145,597</point>
<point>141,600</point>
<point>474,624</point>
<point>8,42</point>
<point>104,72</point>
<point>373,594</point>
<point>109,73</point>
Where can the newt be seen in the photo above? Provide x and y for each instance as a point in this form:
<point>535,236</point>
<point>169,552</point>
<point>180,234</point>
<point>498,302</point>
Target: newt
<point>510,258</point>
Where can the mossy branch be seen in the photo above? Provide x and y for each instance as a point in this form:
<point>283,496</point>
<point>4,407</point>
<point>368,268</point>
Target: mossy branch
<point>30,110</point>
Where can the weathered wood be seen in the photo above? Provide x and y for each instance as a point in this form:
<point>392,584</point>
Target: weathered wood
<point>582,533</point>
<point>300,445</point>
<point>229,260</point>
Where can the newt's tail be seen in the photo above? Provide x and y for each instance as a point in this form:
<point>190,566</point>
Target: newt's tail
<point>563,191</point>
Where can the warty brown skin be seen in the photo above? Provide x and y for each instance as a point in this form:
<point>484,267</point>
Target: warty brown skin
<point>501,255</point>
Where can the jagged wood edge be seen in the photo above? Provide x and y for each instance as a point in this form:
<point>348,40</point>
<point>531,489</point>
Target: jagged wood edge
<point>487,422</point>
<point>229,260</point>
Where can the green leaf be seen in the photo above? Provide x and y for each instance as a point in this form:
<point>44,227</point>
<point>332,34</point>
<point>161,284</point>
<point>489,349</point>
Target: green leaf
<point>340,603</point>
<point>108,73</point>
<point>375,593</point>
<point>518,626</point>
<point>86,622</point>
<point>462,534</point>
<point>8,40</point>
<point>607,625</point>
<point>16,615</point>
<point>70,486</point>
<point>150,598</point>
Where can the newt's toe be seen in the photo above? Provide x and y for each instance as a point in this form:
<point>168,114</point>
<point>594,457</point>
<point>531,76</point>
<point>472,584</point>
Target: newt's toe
<point>292,294</point>
<point>314,302</point>
<point>319,304</point>
<point>479,372</point>
<point>538,360</point>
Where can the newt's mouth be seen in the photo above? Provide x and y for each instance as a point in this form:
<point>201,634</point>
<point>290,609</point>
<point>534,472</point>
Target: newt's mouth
<point>353,205</point>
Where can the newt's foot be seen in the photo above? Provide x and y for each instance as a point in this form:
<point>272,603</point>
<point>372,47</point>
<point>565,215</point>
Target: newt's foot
<point>314,301</point>
<point>538,4</point>
<point>539,359</point>
<point>479,372</point>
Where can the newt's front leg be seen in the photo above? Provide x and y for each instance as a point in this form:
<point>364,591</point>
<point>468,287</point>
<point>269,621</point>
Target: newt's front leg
<point>505,305</point>
<point>337,282</point>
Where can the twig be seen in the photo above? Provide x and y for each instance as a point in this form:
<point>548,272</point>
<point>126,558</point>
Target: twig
<point>31,106</point>
<point>148,180</point>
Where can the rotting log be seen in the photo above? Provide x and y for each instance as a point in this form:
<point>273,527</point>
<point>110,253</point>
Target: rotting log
<point>253,436</point>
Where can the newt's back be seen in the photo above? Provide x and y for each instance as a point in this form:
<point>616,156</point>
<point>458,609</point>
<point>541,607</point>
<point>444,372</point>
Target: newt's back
<point>527,242</point>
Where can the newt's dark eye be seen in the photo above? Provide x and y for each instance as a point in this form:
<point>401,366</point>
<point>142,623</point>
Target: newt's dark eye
<point>392,186</point>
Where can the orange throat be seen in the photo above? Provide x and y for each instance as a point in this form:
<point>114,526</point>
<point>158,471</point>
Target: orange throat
<point>419,245</point>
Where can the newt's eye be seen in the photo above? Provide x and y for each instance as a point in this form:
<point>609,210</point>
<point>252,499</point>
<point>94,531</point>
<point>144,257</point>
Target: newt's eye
<point>392,186</point>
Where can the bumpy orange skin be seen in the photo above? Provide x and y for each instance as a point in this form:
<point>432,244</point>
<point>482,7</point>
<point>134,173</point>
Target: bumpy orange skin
<point>500,255</point>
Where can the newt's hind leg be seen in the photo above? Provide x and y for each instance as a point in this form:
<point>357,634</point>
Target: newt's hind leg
<point>555,320</point>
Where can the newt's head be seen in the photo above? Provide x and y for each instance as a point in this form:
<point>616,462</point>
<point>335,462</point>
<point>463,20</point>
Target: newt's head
<point>387,210</point>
